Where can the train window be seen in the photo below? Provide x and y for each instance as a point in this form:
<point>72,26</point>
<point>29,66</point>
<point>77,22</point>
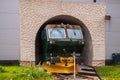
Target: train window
<point>56,33</point>
<point>75,33</point>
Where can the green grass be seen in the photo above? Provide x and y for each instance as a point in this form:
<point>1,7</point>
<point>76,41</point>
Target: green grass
<point>23,73</point>
<point>110,72</point>
<point>33,73</point>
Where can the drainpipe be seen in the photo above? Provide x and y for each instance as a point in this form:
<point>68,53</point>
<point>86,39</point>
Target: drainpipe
<point>94,1</point>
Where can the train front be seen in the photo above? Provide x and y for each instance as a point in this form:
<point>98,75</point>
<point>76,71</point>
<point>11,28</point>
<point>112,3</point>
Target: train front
<point>59,44</point>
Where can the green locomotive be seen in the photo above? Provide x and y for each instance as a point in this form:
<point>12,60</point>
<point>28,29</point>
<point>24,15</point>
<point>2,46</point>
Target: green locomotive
<point>59,43</point>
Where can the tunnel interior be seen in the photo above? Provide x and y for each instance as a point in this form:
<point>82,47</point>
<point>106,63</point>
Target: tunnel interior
<point>65,19</point>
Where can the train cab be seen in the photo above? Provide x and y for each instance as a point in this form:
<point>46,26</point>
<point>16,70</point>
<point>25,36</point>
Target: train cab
<point>60,41</point>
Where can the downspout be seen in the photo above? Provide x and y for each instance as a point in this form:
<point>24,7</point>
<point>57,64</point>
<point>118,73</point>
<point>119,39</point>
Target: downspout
<point>94,1</point>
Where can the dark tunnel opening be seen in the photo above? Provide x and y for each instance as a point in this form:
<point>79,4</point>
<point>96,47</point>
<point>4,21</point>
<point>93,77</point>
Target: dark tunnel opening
<point>65,19</point>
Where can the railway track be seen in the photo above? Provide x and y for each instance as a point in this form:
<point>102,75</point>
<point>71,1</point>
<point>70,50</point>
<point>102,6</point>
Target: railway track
<point>85,73</point>
<point>70,77</point>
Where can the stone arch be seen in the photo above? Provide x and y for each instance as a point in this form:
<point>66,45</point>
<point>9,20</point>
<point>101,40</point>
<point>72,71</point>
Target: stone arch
<point>66,19</point>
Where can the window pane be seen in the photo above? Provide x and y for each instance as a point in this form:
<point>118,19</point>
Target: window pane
<point>56,33</point>
<point>73,33</point>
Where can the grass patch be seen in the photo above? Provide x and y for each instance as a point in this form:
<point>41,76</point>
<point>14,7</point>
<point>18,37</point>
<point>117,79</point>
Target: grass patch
<point>23,73</point>
<point>110,72</point>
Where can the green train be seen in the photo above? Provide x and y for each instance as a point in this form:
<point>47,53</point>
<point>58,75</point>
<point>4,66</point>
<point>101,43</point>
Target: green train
<point>60,41</point>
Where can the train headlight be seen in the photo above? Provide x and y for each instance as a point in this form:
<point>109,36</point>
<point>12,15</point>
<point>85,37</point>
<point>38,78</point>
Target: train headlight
<point>52,42</point>
<point>81,42</point>
<point>48,62</point>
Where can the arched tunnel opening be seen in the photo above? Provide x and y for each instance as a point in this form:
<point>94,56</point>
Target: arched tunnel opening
<point>65,19</point>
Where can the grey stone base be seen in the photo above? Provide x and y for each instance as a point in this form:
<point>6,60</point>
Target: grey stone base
<point>27,63</point>
<point>108,62</point>
<point>98,63</point>
<point>9,62</point>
